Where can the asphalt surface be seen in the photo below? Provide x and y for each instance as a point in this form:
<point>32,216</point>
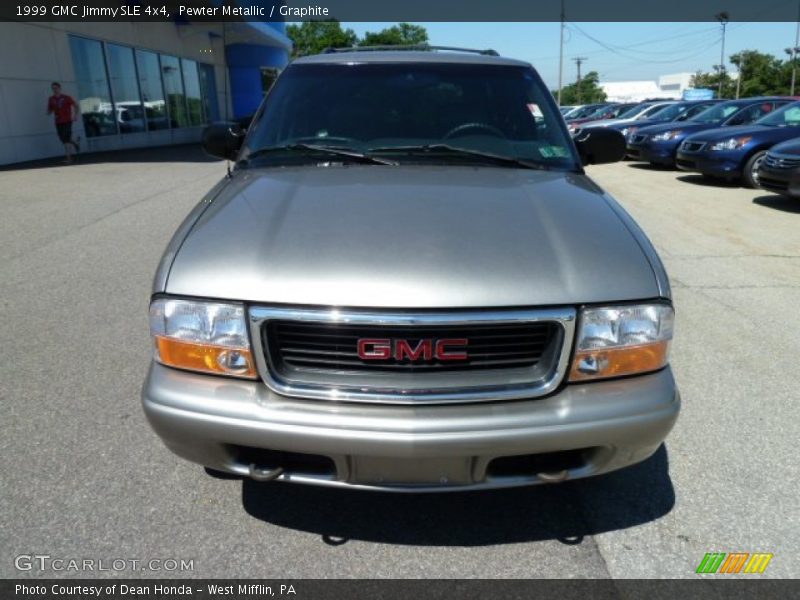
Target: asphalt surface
<point>83,476</point>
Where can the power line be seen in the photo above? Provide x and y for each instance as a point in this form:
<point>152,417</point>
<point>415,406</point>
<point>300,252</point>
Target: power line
<point>618,50</point>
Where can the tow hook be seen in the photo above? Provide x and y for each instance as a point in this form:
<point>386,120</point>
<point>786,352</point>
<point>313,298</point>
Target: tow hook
<point>259,474</point>
<point>554,477</point>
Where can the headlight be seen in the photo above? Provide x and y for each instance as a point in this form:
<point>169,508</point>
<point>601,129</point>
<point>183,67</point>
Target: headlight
<point>666,135</point>
<point>625,130</point>
<point>731,144</point>
<point>622,340</point>
<point>209,337</point>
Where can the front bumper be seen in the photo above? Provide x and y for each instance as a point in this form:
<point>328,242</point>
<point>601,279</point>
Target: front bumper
<point>652,152</point>
<point>780,181</point>
<point>222,423</point>
<point>716,164</point>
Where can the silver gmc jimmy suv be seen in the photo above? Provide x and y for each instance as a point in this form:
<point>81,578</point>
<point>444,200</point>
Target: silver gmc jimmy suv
<point>407,282</point>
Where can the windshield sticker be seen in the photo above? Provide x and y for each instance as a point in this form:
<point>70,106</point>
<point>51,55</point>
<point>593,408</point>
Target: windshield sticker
<point>553,152</point>
<point>535,111</point>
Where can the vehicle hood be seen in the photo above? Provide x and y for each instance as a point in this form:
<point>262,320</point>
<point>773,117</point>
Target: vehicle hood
<point>607,122</point>
<point>684,126</point>
<point>792,147</point>
<point>412,236</point>
<point>640,124</point>
<point>760,133</point>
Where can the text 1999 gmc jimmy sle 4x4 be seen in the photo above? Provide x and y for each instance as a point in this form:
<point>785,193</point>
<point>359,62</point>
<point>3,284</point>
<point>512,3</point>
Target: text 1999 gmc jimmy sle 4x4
<point>409,283</point>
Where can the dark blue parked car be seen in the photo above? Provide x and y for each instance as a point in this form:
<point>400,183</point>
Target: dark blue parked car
<point>779,172</point>
<point>675,111</point>
<point>658,144</point>
<point>736,152</point>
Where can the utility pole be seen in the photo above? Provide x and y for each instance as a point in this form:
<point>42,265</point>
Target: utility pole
<point>579,60</point>
<point>723,20</point>
<point>561,55</point>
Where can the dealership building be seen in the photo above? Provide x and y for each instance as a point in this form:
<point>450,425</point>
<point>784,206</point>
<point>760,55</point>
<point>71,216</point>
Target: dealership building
<point>137,84</point>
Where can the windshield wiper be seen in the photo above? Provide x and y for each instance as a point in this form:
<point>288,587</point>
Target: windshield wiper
<point>311,149</point>
<point>447,148</point>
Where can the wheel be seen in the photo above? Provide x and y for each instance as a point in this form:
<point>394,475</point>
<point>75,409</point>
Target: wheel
<point>750,171</point>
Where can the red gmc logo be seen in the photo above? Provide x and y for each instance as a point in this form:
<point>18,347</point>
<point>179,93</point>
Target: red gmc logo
<point>426,349</point>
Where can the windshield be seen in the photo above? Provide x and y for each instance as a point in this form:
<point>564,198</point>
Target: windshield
<point>632,112</point>
<point>693,110</point>
<point>655,112</point>
<point>788,116</point>
<point>585,111</point>
<point>668,112</point>
<point>716,114</point>
<point>410,112</point>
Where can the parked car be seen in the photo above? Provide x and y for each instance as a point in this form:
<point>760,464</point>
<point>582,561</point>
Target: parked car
<point>734,153</point>
<point>637,113</point>
<point>658,144</point>
<point>779,172</point>
<point>670,113</point>
<point>566,109</point>
<point>612,111</point>
<point>409,282</point>
<point>584,111</point>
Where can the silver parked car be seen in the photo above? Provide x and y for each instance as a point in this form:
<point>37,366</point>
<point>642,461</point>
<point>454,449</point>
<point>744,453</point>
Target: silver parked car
<point>408,282</point>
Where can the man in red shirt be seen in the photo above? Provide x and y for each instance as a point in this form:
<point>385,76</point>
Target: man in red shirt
<point>66,113</point>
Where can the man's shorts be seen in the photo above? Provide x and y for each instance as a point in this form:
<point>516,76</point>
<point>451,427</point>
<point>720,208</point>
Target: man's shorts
<point>64,132</point>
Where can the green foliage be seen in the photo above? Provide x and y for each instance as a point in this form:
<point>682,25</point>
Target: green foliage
<point>402,34</point>
<point>312,37</point>
<point>762,75</point>
<point>588,93</point>
<point>711,81</point>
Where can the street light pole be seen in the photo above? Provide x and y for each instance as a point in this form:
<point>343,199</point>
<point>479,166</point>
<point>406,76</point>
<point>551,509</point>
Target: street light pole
<point>792,52</point>
<point>739,78</point>
<point>723,20</point>
<point>561,55</point>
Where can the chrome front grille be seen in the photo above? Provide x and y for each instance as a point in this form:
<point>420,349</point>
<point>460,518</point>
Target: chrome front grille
<point>781,161</point>
<point>313,353</point>
<point>326,346</point>
<point>638,138</point>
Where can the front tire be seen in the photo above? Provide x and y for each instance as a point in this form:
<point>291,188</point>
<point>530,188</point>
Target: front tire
<point>750,172</point>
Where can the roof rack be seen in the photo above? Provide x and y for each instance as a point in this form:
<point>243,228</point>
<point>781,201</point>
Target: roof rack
<point>487,52</point>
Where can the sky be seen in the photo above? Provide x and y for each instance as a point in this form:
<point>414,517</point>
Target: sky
<point>618,52</point>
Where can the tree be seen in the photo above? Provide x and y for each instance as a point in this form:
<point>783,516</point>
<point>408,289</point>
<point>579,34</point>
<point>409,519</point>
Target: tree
<point>312,37</point>
<point>762,74</point>
<point>402,34</point>
<point>711,82</point>
<point>590,91</point>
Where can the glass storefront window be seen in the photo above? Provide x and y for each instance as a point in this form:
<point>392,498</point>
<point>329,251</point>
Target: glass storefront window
<point>208,88</point>
<point>194,101</point>
<point>155,105</point>
<point>125,89</point>
<point>94,97</point>
<point>173,86</point>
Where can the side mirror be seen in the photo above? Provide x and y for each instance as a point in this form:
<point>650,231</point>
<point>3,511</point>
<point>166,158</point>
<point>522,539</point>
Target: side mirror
<point>598,145</point>
<point>223,139</point>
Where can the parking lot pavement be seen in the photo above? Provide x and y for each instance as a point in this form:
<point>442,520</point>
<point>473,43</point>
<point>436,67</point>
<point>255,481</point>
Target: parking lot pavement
<point>84,477</point>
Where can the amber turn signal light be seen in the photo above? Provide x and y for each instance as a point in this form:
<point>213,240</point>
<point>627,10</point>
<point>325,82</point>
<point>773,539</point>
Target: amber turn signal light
<point>204,358</point>
<point>602,363</point>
